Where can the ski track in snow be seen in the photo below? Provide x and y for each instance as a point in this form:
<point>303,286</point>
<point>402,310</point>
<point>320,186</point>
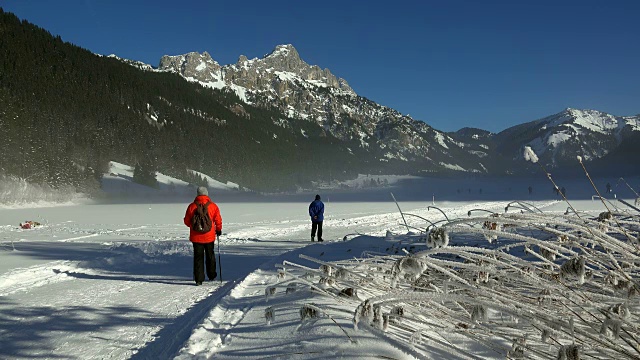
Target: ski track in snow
<point>35,276</point>
<point>129,292</point>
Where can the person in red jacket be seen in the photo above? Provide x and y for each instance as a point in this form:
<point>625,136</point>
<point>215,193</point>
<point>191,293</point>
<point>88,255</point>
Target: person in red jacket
<point>203,241</point>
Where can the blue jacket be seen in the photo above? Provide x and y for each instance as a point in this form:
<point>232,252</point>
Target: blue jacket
<point>316,208</point>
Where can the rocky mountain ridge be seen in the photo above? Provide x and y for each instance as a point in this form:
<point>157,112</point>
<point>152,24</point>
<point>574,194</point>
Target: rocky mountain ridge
<point>282,80</point>
<point>561,137</point>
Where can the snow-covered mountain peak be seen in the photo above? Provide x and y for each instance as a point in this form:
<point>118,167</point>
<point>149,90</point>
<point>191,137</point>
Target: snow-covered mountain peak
<point>584,120</point>
<point>193,65</point>
<point>558,138</point>
<point>286,50</point>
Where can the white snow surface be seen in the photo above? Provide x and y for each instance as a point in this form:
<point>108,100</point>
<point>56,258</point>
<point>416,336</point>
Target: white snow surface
<point>215,184</point>
<point>115,281</point>
<point>440,139</point>
<point>453,166</point>
<point>530,155</point>
<point>594,120</point>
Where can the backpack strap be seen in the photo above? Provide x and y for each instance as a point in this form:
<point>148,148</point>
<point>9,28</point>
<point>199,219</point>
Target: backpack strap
<point>206,205</point>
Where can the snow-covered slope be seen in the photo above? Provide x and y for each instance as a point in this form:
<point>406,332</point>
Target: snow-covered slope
<point>96,282</point>
<point>119,180</point>
<point>561,137</point>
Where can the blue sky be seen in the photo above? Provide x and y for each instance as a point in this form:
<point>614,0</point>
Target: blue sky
<point>487,64</point>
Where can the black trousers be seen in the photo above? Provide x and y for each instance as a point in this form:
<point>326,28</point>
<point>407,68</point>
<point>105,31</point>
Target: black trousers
<point>316,226</point>
<point>203,254</point>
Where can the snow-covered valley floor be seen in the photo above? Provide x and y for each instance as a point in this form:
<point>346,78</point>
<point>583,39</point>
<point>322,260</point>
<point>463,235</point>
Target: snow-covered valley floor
<point>115,281</point>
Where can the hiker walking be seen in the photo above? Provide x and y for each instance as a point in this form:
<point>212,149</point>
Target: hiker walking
<point>203,219</point>
<point>608,187</point>
<point>316,211</point>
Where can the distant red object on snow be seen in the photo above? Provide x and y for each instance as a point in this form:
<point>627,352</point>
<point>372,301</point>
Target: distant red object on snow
<point>29,224</point>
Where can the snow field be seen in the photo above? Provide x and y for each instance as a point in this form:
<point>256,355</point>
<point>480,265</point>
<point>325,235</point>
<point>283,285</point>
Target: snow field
<point>490,294</point>
<point>115,282</point>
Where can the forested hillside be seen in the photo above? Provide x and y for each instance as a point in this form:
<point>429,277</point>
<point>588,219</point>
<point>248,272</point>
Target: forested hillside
<point>65,112</point>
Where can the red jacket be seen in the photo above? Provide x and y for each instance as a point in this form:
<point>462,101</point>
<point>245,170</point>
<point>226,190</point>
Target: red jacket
<point>216,219</point>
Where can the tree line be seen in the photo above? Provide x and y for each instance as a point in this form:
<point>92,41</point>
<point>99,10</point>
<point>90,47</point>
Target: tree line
<point>66,112</point>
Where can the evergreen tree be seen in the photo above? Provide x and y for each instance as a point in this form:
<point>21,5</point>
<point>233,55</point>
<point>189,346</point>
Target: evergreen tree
<point>144,173</point>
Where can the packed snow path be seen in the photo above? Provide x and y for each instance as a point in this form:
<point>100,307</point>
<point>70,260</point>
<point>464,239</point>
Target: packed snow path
<point>115,281</point>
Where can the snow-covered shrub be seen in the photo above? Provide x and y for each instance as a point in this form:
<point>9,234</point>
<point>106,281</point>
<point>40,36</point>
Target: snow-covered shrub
<point>483,277</point>
<point>349,292</point>
<point>478,314</point>
<point>385,322</point>
<point>271,290</point>
<point>326,270</point>
<point>517,350</point>
<point>397,311</point>
<point>574,267</point>
<point>614,280</point>
<point>610,328</point>
<point>291,289</point>
<point>438,237</point>
<point>364,312</point>
<point>547,334</point>
<point>491,226</point>
<point>327,282</point>
<point>605,216</point>
<point>569,352</point>
<point>547,254</point>
<point>269,314</point>
<point>377,317</point>
<point>341,274</point>
<point>416,338</point>
<point>422,283</point>
<point>618,311</point>
<point>526,290</point>
<point>544,297</point>
<point>411,266</point>
<point>308,312</point>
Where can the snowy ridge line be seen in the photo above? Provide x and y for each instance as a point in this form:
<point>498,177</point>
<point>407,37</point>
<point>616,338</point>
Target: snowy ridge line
<point>35,276</point>
<point>201,344</point>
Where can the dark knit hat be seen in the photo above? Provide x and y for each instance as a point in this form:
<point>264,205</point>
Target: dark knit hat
<point>203,191</point>
<point>317,197</point>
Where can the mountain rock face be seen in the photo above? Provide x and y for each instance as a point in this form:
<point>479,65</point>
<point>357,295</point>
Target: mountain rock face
<point>283,80</point>
<point>200,67</point>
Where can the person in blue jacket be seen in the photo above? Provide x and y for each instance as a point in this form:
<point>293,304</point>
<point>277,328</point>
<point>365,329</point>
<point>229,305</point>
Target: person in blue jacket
<point>316,211</point>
